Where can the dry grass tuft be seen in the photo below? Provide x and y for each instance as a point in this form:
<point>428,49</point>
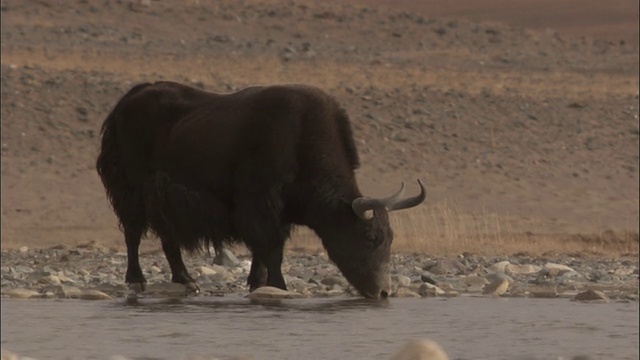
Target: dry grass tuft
<point>445,230</point>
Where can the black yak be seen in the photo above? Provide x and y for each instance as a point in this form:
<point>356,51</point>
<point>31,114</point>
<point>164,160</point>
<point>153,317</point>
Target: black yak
<point>201,169</point>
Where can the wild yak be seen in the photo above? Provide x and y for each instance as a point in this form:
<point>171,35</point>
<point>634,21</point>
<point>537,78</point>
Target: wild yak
<point>201,170</point>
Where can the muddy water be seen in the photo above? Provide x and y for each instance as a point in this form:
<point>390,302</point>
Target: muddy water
<point>467,328</point>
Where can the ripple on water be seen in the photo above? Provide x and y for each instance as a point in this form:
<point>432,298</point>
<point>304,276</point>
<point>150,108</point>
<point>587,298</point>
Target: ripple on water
<point>318,328</point>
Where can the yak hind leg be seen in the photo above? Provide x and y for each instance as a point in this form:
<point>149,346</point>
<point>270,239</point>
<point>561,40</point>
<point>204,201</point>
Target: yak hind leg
<point>179,273</point>
<point>134,276</point>
<point>258,274</point>
<point>273,261</point>
<point>266,267</point>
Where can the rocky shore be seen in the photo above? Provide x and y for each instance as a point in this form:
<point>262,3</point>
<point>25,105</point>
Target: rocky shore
<point>95,272</point>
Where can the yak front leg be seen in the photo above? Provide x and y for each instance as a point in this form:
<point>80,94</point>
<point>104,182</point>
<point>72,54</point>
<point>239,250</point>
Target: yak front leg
<point>179,273</point>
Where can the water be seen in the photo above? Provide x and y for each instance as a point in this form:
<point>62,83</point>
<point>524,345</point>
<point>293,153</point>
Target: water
<point>467,328</point>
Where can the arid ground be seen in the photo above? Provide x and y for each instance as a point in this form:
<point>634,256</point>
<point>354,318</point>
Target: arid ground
<point>521,117</point>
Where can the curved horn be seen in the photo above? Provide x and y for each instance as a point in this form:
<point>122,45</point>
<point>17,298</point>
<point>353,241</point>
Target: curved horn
<point>362,204</point>
<point>410,202</point>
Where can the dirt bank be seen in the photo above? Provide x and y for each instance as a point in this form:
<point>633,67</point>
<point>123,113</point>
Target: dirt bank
<point>523,120</point>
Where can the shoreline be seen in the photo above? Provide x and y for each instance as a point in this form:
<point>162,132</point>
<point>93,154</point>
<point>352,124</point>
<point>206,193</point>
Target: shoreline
<point>94,272</point>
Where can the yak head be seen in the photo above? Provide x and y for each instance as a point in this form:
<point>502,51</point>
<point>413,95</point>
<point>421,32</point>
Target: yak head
<point>359,241</point>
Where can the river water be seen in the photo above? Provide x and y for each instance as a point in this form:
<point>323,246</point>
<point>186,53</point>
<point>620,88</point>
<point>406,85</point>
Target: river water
<point>466,327</point>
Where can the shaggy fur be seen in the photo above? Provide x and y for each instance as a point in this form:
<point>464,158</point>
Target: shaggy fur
<point>200,169</point>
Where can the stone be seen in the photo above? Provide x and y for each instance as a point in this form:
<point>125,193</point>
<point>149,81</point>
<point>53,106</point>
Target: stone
<point>8,355</point>
<point>68,292</point>
<point>333,280</point>
<point>561,269</point>
<point>512,269</point>
<point>64,279</point>
<point>226,258</point>
<point>20,293</point>
<point>497,287</point>
<point>45,278</point>
<point>204,270</point>
<point>21,269</point>
<point>475,280</point>
<point>428,290</point>
<point>94,295</point>
<point>271,292</point>
<point>421,350</point>
<point>624,271</point>
<point>592,295</point>
<point>404,292</point>
<point>447,266</point>
<point>500,266</point>
<point>402,280</point>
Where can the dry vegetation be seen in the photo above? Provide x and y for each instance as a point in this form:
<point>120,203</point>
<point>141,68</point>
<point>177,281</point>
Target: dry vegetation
<point>445,230</point>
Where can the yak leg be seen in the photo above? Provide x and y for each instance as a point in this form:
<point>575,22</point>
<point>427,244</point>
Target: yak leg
<point>257,275</point>
<point>273,261</point>
<point>266,269</point>
<point>179,273</point>
<point>266,241</point>
<point>134,277</point>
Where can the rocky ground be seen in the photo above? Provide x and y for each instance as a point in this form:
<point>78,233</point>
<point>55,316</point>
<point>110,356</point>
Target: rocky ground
<point>539,126</point>
<point>96,272</point>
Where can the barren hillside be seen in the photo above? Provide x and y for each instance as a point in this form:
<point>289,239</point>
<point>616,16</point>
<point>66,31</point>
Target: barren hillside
<point>524,120</point>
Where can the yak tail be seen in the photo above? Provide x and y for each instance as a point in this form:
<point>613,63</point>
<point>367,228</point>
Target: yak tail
<point>123,195</point>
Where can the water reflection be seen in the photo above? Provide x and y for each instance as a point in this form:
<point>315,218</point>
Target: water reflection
<point>333,328</point>
<point>196,304</point>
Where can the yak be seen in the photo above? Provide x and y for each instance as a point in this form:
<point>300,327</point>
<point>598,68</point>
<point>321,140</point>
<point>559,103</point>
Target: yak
<point>201,170</point>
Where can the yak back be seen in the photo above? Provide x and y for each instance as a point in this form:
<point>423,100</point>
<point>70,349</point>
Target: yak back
<point>203,168</point>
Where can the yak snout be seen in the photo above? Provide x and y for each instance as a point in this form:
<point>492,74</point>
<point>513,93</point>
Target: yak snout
<point>379,291</point>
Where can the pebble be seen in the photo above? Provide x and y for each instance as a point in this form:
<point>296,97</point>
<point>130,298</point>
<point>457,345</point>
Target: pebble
<point>497,287</point>
<point>39,273</point>
<point>421,350</point>
<point>591,295</point>
<point>270,292</point>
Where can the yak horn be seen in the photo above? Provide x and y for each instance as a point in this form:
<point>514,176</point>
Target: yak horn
<point>391,203</point>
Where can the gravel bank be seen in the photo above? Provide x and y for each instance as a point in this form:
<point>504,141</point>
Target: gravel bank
<point>94,272</point>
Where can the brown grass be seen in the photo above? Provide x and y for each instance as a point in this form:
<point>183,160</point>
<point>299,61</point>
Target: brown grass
<point>445,230</point>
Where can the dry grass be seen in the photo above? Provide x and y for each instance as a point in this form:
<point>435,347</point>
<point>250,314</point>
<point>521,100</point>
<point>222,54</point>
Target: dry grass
<point>445,230</point>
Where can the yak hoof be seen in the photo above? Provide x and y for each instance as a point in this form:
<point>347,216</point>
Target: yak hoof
<point>192,288</point>
<point>136,288</point>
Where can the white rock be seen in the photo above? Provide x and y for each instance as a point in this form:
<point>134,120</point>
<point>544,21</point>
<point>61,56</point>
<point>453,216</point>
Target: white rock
<point>526,269</point>
<point>404,292</point>
<point>20,293</point>
<point>204,270</point>
<point>427,290</point>
<point>500,266</point>
<point>474,280</point>
<point>591,295</point>
<point>497,287</point>
<point>245,265</point>
<point>421,350</point>
<point>270,292</point>
<point>68,292</point>
<point>8,355</point>
<point>561,268</point>
<point>402,280</point>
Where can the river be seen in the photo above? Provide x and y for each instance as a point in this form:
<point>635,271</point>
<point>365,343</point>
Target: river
<point>466,327</point>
